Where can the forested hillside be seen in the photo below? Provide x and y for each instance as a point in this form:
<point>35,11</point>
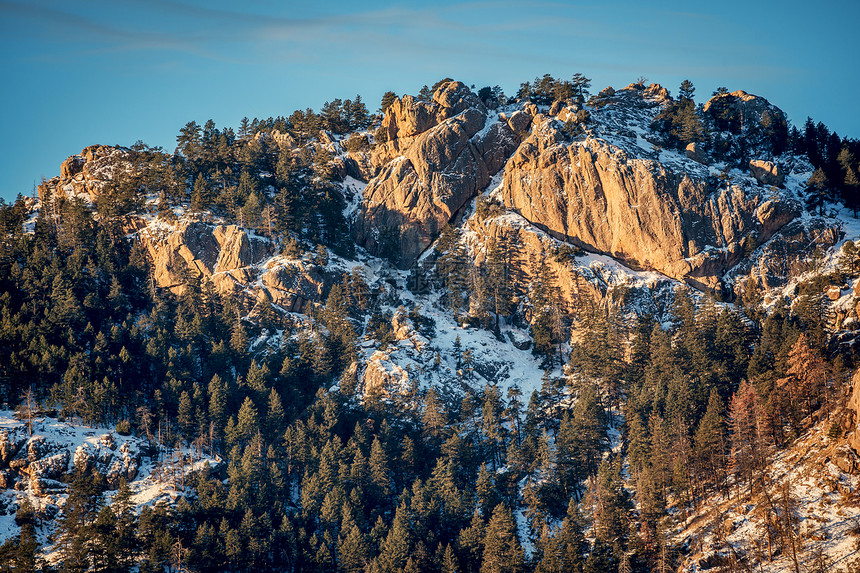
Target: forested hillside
<point>467,332</point>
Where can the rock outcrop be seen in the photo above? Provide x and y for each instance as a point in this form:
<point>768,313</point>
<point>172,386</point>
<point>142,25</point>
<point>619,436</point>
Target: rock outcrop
<point>854,411</point>
<point>594,195</point>
<point>295,286</point>
<point>695,152</point>
<point>741,107</point>
<point>43,463</point>
<point>438,156</point>
<point>85,175</point>
<point>578,282</point>
<point>202,248</point>
<point>748,124</point>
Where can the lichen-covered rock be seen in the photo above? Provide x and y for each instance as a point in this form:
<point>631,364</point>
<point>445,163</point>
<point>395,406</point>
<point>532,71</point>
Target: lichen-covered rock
<point>742,106</point>
<point>38,448</point>
<point>774,214</point>
<point>237,249</point>
<point>359,165</point>
<point>519,122</point>
<point>846,459</point>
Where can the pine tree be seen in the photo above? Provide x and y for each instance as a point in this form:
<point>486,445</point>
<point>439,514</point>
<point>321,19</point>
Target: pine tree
<point>686,91</point>
<point>248,422</point>
<point>434,417</point>
<point>502,550</point>
<point>387,99</point>
<point>609,502</point>
<point>570,540</point>
<point>185,416</point>
<point>394,551</point>
<point>353,551</point>
<point>710,438</point>
<point>449,561</point>
<point>818,189</point>
<point>200,194</point>
<point>491,424</point>
<point>470,543</point>
<point>806,378</point>
<point>746,444</point>
<point>380,471</point>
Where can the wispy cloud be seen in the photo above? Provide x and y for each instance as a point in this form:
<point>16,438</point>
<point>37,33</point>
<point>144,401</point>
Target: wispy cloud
<point>162,25</point>
<point>266,33</point>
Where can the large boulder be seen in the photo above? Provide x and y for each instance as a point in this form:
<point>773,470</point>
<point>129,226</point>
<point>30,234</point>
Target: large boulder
<point>407,117</point>
<point>454,97</point>
<point>695,152</point>
<point>294,286</point>
<point>767,172</point>
<point>72,166</point>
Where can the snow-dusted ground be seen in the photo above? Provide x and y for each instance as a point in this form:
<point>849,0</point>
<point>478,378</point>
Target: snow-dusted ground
<point>827,509</point>
<point>157,479</point>
<point>413,356</point>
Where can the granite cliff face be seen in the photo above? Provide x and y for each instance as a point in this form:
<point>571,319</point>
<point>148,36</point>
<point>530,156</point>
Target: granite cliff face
<point>217,252</point>
<point>438,155</point>
<point>595,195</point>
<point>594,181</point>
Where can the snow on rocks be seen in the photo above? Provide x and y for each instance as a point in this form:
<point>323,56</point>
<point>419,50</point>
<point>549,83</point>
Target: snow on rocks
<point>38,467</point>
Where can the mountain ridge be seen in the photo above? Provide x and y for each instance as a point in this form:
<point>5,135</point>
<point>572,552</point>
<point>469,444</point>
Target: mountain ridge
<point>414,279</point>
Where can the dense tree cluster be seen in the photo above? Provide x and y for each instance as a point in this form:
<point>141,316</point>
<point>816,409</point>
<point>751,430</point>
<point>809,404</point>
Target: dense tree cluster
<point>728,136</point>
<point>681,120</point>
<point>836,161</point>
<point>546,89</point>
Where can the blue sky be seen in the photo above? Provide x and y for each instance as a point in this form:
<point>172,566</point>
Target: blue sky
<point>85,72</point>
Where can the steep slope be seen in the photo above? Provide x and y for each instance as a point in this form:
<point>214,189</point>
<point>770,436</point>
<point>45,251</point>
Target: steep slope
<point>804,514</point>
